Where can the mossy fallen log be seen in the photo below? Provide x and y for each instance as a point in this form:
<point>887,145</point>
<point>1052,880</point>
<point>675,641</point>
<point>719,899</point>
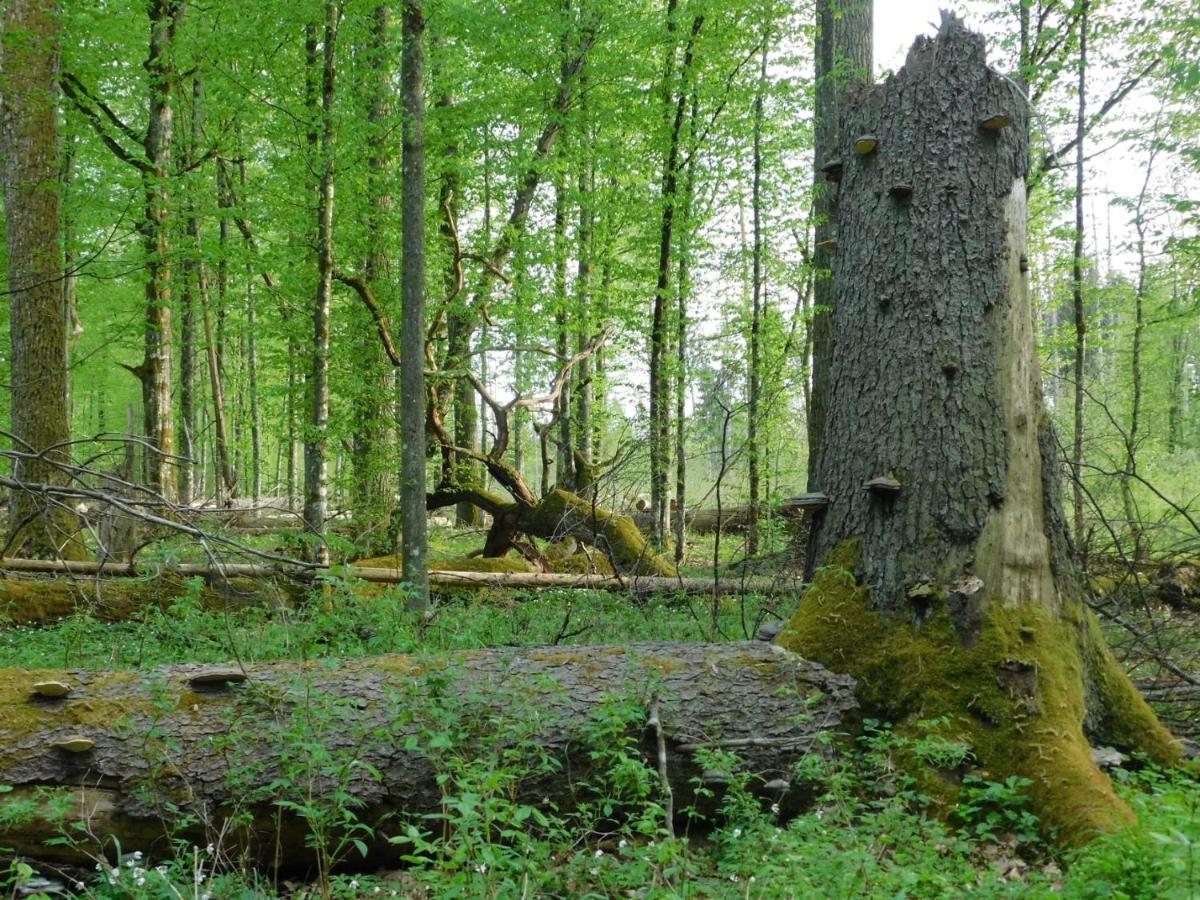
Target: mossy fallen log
<point>111,594</point>
<point>37,601</point>
<point>256,755</point>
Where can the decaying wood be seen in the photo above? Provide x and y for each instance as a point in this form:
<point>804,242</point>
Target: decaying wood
<point>164,748</point>
<point>116,591</point>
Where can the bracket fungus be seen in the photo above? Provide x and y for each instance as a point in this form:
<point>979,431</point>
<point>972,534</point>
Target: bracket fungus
<point>833,170</point>
<point>830,244</point>
<point>217,678</point>
<point>76,743</point>
<point>995,121</point>
<point>866,145</point>
<point>883,486</point>
<point>52,689</point>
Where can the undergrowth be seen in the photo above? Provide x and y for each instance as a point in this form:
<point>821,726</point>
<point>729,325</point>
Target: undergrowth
<point>868,831</point>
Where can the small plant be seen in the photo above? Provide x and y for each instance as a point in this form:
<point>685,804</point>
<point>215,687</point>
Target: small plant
<point>991,810</point>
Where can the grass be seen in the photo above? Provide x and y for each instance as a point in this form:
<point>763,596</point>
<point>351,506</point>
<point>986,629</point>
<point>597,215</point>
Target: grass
<point>868,833</point>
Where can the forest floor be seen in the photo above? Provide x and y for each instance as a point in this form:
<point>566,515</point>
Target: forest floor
<point>870,832</point>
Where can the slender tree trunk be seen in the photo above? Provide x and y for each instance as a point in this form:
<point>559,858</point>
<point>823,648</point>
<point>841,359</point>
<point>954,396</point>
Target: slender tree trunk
<point>155,369</point>
<point>753,450</point>
<point>675,106</point>
<point>29,169</point>
<point>1176,398</point>
<point>412,371</point>
<point>316,463</point>
<point>374,479</point>
<point>564,466</point>
<point>686,233</point>
<point>946,584</point>
<point>844,55</point>
<point>1135,365</point>
<point>187,384</point>
<point>1079,369</point>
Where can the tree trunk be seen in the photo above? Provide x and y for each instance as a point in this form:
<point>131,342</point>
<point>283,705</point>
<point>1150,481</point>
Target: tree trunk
<point>29,169</point>
<point>155,369</point>
<point>316,450</point>
<point>412,342</point>
<point>564,461</point>
<point>946,584</point>
<point>843,57</point>
<point>675,106</point>
<point>1079,308</point>
<point>233,751</point>
<point>374,444</point>
<point>754,400</point>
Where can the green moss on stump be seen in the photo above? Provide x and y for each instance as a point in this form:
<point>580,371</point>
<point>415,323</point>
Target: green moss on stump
<point>1018,694</point>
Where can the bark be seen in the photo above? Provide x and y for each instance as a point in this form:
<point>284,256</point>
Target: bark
<point>155,369</point>
<point>374,444</point>
<point>843,57</point>
<point>1079,309</point>
<point>564,461</point>
<point>1135,364</point>
<point>211,753</point>
<point>675,107</point>
<point>29,170</point>
<point>949,589</point>
<point>316,451</point>
<point>412,341</point>
<point>756,313</point>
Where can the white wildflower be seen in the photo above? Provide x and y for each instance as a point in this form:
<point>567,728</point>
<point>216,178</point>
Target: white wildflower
<point>737,833</point>
<point>599,853</point>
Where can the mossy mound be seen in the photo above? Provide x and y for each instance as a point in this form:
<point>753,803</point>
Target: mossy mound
<point>501,565</point>
<point>1018,690</point>
<point>583,564</point>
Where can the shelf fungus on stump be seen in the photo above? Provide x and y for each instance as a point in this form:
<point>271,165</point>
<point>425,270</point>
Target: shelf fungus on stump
<point>866,145</point>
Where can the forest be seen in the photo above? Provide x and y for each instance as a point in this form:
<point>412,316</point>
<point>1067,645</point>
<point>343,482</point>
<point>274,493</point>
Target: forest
<point>600,448</point>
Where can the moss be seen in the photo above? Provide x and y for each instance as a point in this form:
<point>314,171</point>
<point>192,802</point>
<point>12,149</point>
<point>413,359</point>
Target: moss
<point>1016,693</point>
<point>102,704</point>
<point>583,564</point>
<point>499,565</point>
<point>464,564</point>
<point>38,601</point>
<point>561,511</point>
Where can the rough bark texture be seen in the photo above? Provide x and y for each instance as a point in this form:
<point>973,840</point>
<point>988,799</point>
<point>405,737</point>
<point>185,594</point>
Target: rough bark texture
<point>844,55</point>
<point>216,750</point>
<point>316,451</point>
<point>412,341</point>
<point>955,595</point>
<point>29,169</point>
<point>155,369</point>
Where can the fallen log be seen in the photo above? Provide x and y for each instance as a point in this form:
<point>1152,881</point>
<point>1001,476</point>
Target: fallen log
<point>189,753</point>
<point>104,589</point>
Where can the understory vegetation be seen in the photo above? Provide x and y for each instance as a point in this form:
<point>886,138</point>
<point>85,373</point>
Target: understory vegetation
<point>866,830</point>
